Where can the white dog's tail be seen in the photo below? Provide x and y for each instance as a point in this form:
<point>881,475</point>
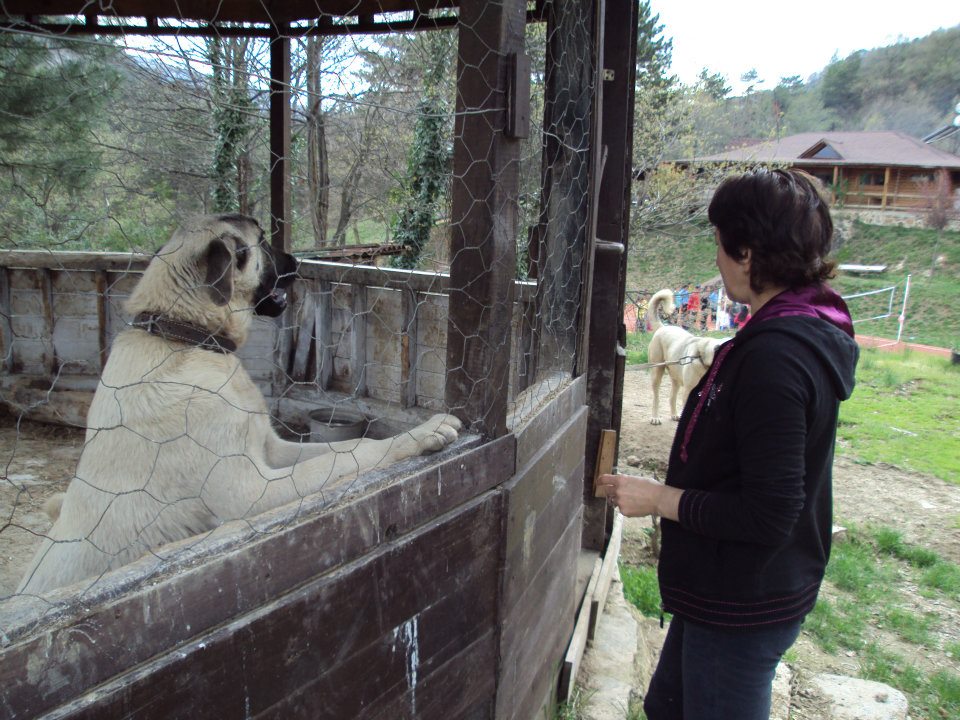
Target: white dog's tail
<point>661,297</point>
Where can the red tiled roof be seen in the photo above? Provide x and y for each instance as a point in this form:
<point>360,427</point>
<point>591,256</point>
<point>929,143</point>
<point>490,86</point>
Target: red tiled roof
<point>854,148</point>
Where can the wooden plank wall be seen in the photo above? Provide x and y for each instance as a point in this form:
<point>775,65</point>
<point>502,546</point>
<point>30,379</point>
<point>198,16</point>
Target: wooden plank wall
<point>369,608</point>
<point>543,510</point>
<point>354,331</point>
<point>446,594</point>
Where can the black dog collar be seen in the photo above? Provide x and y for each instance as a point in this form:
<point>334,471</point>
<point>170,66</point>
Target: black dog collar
<point>183,332</point>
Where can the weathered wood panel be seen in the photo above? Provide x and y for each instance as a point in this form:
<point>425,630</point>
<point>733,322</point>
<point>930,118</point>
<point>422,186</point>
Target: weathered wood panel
<point>541,545</point>
<point>390,619</point>
<point>38,671</point>
<point>535,635</point>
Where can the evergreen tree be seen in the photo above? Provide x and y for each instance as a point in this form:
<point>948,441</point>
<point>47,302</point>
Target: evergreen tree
<point>52,95</point>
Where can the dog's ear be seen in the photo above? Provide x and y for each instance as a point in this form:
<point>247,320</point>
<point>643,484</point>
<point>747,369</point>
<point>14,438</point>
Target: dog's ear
<point>219,272</point>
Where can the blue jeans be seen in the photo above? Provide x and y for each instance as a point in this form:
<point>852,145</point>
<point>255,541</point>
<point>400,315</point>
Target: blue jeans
<point>709,673</point>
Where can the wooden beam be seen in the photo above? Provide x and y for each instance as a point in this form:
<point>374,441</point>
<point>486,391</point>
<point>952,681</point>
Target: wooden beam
<point>323,331</point>
<point>578,641</point>
<point>606,457</point>
<point>6,321</point>
<point>484,190</point>
<point>280,138</point>
<point>605,330</point>
<point>886,187</point>
<point>358,341</point>
<point>49,321</point>
<point>103,316</point>
<point>409,350</point>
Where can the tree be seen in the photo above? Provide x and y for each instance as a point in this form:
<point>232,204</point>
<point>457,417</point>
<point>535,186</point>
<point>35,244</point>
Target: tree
<point>840,88</point>
<point>429,156</point>
<point>53,99</point>
<point>233,113</point>
<point>654,55</point>
<point>318,173</point>
<point>714,85</point>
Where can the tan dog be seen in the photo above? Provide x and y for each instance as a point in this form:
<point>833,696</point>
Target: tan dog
<point>672,349</point>
<point>178,437</point>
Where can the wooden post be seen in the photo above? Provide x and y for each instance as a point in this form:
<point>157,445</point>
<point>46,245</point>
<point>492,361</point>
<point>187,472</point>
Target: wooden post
<point>50,362</point>
<point>103,316</point>
<point>409,352</point>
<point>483,238</point>
<point>605,329</point>
<point>358,341</point>
<point>6,321</point>
<point>280,138</point>
<point>886,188</point>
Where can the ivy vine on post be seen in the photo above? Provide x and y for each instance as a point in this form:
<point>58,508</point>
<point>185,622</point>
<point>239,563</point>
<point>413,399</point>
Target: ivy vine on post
<point>429,158</point>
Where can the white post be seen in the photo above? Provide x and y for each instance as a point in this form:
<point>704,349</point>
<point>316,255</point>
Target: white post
<point>903,311</point>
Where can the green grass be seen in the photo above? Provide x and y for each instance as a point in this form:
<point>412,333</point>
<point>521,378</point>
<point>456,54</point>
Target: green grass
<point>641,589</point>
<point>905,411</point>
<point>867,572</point>
<point>866,598</point>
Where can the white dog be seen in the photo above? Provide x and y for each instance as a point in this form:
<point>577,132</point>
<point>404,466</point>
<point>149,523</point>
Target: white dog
<point>686,357</point>
<point>178,436</point>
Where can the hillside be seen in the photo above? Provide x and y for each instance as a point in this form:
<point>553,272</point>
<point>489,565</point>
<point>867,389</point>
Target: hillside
<point>910,87</point>
<point>687,255</point>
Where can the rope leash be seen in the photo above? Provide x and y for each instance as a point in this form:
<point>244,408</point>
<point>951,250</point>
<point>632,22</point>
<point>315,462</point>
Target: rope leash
<point>685,360</point>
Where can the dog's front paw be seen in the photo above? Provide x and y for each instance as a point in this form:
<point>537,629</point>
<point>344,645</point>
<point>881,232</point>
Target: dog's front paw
<point>436,433</point>
<point>675,418</point>
<point>656,421</point>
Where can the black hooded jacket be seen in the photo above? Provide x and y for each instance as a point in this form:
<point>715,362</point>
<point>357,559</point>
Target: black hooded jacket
<point>755,517</point>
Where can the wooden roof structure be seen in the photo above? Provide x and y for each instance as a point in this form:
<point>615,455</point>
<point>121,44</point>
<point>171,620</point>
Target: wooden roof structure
<point>101,16</point>
<point>893,149</point>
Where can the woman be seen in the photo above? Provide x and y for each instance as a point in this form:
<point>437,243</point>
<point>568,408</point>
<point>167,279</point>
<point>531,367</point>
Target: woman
<point>747,505</point>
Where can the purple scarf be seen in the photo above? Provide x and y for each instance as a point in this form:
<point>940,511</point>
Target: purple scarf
<point>820,301</point>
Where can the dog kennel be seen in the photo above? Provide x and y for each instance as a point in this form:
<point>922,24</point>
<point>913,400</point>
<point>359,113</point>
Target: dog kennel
<point>451,585</point>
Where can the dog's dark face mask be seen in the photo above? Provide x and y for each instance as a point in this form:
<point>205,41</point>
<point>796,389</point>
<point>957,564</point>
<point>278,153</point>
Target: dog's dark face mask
<point>276,276</point>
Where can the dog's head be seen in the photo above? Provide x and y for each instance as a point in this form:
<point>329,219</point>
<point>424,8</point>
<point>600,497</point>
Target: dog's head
<point>216,271</point>
<point>240,265</point>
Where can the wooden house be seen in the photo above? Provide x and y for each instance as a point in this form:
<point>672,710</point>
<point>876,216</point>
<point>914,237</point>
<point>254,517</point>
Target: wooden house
<point>875,170</point>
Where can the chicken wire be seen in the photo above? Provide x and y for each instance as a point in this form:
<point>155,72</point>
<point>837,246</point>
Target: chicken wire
<point>144,132</point>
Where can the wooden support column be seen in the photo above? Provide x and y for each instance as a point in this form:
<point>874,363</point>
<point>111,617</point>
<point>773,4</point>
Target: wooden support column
<point>50,362</point>
<point>483,238</point>
<point>6,322</point>
<point>103,316</point>
<point>605,329</point>
<point>280,137</point>
<point>358,342</point>
<point>886,188</point>
<point>409,350</point>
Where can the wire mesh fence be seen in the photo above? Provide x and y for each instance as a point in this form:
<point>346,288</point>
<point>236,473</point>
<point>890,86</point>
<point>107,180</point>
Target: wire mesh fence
<point>136,194</point>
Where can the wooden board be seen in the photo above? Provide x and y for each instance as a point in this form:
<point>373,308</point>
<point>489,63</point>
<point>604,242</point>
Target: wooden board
<point>244,580</point>
<point>578,641</point>
<point>609,569</point>
<point>605,459</point>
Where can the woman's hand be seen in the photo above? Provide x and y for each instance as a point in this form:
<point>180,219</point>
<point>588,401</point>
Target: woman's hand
<point>637,496</point>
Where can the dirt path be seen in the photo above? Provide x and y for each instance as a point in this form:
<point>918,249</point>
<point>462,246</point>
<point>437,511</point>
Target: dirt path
<point>924,508</point>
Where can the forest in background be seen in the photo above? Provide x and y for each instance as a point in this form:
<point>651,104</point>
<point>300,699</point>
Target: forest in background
<point>107,143</point>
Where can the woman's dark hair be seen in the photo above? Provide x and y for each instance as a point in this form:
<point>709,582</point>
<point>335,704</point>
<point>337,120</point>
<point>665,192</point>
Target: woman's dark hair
<point>782,217</point>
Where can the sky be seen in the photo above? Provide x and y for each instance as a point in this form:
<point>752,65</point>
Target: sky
<point>778,39</point>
